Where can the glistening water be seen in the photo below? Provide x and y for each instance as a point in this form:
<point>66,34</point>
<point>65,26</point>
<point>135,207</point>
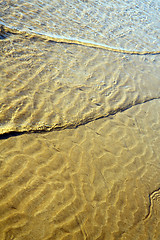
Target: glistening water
<point>79,120</point>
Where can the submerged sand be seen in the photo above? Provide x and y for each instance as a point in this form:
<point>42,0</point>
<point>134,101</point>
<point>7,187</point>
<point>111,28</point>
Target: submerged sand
<point>48,85</point>
<point>99,181</point>
<point>79,120</point>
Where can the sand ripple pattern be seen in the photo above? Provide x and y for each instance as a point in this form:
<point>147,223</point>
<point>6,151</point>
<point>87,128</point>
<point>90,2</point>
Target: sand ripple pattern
<point>130,25</point>
<point>99,181</point>
<point>47,85</point>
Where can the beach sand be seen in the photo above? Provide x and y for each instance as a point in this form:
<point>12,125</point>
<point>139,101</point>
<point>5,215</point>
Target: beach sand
<point>48,85</point>
<point>98,181</point>
<point>79,120</point>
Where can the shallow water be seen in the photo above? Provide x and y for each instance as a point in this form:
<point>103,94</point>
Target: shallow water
<point>128,25</point>
<point>79,120</point>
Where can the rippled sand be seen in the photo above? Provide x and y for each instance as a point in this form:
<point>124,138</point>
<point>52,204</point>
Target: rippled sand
<point>99,181</point>
<point>48,85</point>
<point>79,120</point>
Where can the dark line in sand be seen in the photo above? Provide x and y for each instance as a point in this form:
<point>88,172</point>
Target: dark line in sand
<point>150,203</point>
<point>4,31</point>
<point>46,129</point>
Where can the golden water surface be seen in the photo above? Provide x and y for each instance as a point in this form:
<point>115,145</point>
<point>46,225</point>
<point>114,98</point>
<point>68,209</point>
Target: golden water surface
<point>79,120</point>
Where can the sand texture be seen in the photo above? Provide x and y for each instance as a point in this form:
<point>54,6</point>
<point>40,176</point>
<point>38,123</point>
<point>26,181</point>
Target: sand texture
<point>43,91</point>
<point>99,181</point>
<point>79,120</point>
<point>123,24</point>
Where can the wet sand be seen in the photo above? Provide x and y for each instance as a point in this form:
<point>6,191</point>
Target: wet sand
<point>49,85</point>
<point>132,26</point>
<point>79,120</point>
<point>98,181</point>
